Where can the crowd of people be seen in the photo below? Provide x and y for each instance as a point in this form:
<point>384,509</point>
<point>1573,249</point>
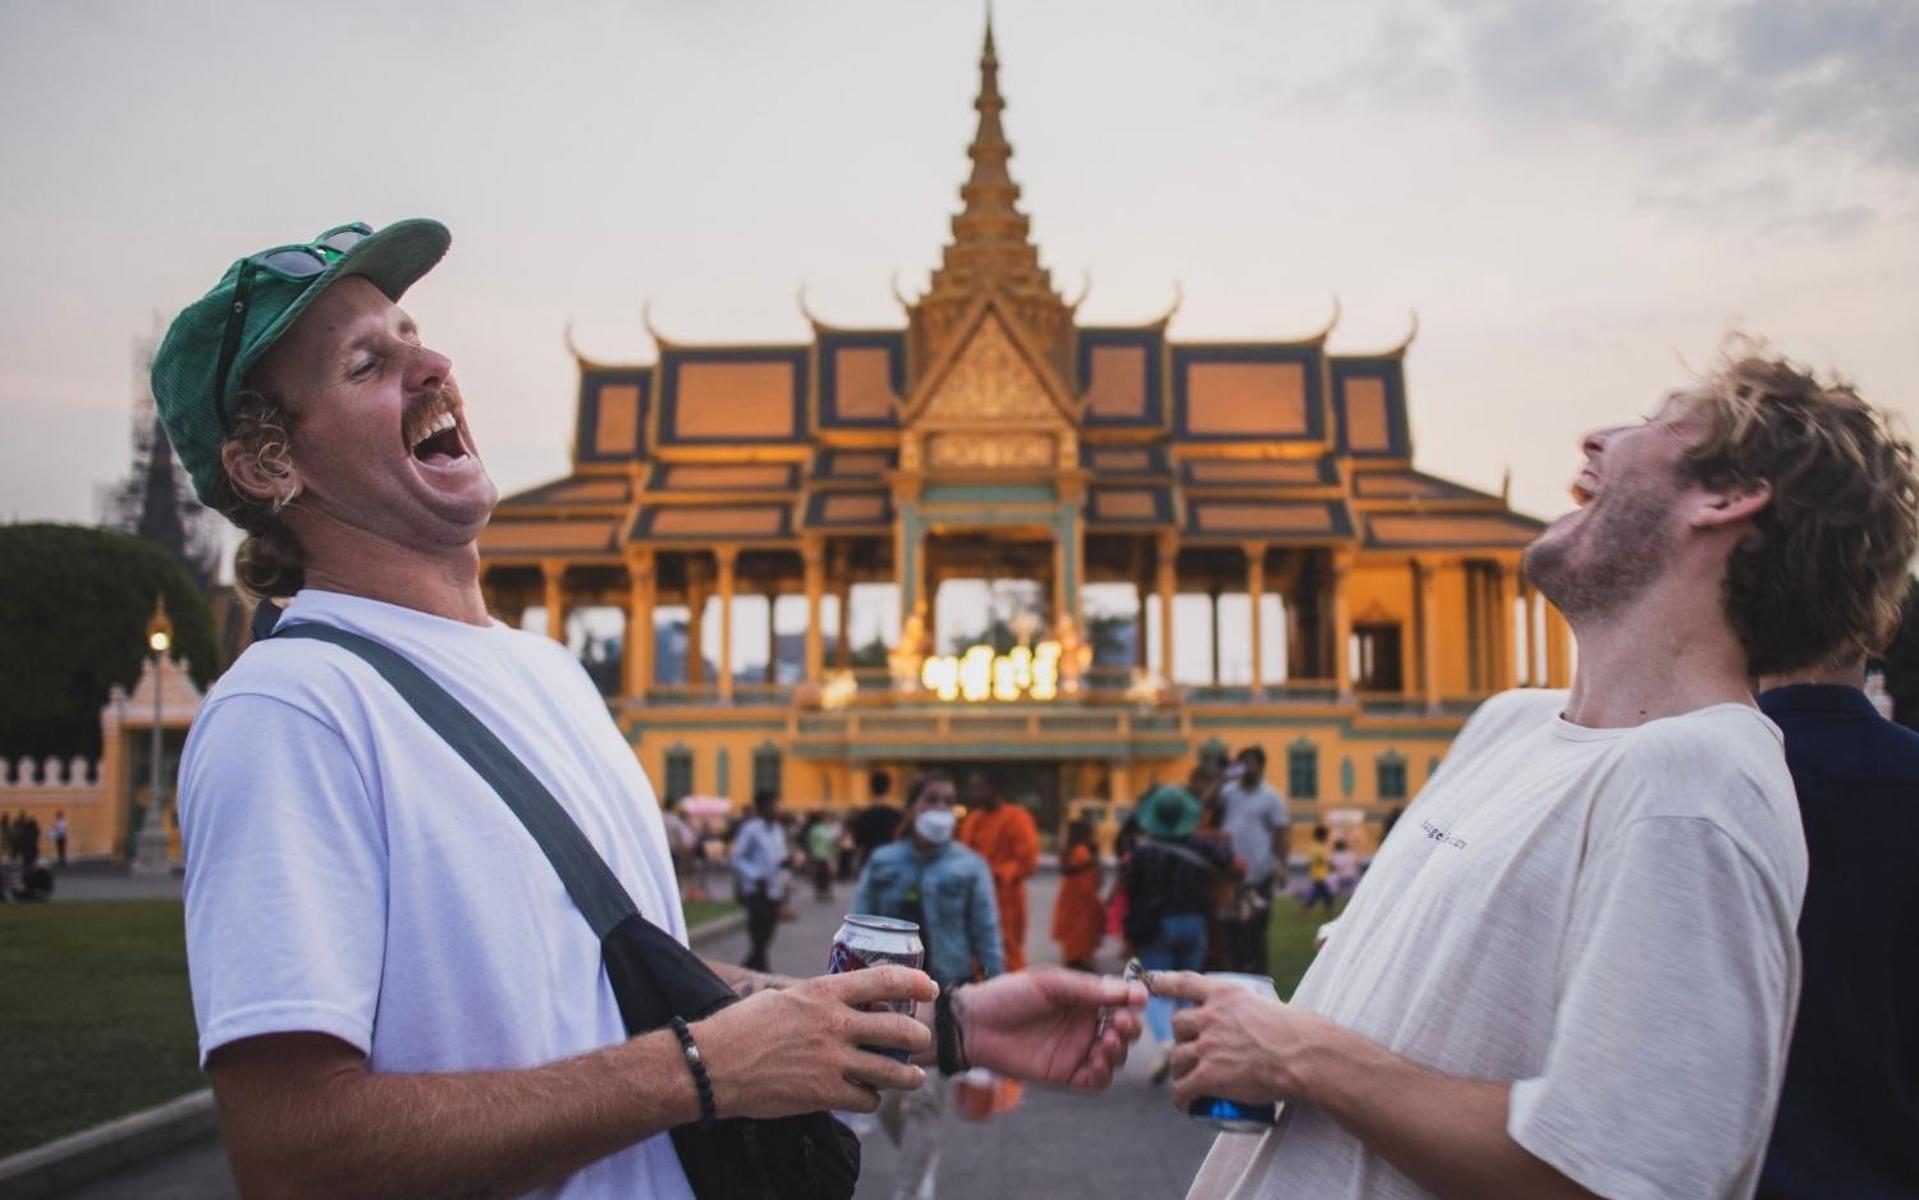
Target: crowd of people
<point>22,875</point>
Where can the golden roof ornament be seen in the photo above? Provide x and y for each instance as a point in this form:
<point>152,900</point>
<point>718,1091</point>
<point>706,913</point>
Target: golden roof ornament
<point>991,251</point>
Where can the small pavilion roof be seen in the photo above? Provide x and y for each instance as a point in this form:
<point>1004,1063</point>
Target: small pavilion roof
<point>1129,508</point>
<point>769,523</point>
<point>1413,530</point>
<point>1237,519</point>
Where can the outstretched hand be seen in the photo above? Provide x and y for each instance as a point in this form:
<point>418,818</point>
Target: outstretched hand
<point>1045,1025</point>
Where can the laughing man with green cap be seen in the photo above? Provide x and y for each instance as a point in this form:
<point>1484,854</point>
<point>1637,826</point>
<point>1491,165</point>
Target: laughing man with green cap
<point>395,993</point>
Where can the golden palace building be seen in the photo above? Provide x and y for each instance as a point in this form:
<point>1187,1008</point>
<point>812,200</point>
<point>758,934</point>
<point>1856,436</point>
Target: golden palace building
<point>995,437</point>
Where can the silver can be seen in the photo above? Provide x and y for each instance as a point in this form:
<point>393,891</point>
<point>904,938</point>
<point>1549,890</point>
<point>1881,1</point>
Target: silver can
<point>1230,1116</point>
<point>868,941</point>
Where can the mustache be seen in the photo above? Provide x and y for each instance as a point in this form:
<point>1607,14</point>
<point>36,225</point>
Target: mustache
<point>422,412</point>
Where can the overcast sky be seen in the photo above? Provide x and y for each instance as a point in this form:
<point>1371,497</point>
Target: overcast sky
<point>1579,197</point>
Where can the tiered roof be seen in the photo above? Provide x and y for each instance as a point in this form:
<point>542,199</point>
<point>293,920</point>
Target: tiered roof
<point>1277,441</point>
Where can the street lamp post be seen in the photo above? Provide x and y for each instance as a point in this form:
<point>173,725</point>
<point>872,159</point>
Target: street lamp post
<point>150,850</point>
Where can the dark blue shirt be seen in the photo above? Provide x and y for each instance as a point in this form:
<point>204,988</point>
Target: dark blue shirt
<point>1849,1115</point>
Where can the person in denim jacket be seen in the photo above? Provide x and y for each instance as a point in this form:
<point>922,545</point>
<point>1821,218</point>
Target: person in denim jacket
<point>947,890</point>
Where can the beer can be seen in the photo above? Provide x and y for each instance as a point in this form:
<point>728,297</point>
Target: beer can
<point>1230,1115</point>
<point>868,941</point>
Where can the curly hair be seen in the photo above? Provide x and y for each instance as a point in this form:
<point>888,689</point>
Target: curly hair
<point>1823,579</point>
<point>270,562</point>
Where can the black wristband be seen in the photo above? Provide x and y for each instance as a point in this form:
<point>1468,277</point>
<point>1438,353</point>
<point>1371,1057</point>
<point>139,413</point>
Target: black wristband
<point>948,1040</point>
<point>691,1050</point>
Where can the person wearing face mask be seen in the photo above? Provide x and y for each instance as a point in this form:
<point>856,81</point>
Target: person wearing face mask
<point>947,890</point>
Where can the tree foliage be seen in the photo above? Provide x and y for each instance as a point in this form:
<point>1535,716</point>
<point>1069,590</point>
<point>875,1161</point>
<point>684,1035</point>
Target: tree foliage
<point>74,606</point>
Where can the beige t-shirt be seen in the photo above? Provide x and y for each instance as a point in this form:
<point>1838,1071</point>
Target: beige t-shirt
<point>1604,917</point>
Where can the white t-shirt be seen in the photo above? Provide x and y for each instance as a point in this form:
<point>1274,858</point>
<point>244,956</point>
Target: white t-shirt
<point>349,874</point>
<point>1253,816</point>
<point>759,856</point>
<point>1604,917</point>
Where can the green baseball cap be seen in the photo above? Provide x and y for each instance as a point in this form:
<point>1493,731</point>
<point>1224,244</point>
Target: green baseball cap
<point>215,341</point>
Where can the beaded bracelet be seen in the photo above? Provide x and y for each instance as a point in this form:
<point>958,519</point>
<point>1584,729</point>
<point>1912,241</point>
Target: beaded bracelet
<point>696,1064</point>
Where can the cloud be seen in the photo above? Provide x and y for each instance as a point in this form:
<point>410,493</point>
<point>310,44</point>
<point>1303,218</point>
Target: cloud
<point>1836,72</point>
<point>1768,205</point>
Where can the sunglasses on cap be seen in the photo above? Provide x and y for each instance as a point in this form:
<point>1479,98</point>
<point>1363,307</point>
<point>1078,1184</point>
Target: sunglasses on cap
<point>290,263</point>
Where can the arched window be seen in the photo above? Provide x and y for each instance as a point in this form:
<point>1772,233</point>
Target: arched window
<point>766,768</point>
<point>1302,771</point>
<point>679,773</point>
<point>1390,775</point>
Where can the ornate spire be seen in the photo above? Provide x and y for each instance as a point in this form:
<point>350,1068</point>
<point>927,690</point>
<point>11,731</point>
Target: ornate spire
<point>991,250</point>
<point>990,194</point>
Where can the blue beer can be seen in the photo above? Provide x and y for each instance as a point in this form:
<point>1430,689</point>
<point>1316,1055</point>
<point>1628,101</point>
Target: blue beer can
<point>1230,1115</point>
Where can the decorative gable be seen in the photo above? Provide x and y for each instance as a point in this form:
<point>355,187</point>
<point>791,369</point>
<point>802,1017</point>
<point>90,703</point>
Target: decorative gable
<point>990,382</point>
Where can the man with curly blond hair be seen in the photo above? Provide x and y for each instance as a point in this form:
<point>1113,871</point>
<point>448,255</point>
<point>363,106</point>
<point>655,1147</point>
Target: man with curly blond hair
<point>1581,979</point>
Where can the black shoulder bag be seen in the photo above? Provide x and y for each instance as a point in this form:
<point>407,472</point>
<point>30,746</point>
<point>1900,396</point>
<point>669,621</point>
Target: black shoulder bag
<point>811,1156</point>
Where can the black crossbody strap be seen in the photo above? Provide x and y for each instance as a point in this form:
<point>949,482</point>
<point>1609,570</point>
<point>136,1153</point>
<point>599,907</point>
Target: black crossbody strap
<point>595,890</point>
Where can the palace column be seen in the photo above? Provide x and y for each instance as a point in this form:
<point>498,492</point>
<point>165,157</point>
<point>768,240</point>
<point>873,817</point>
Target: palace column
<point>1426,583</point>
<point>726,557</point>
<point>696,595</point>
<point>813,568</point>
<point>1558,647</point>
<point>1505,585</point>
<point>1298,663</point>
<point>772,638</point>
<point>1069,563</point>
<point>1478,644</point>
<point>1168,583</point>
<point>843,580</point>
<point>1212,601</point>
<point>1535,676</point>
<point>1120,782</point>
<point>1255,586</point>
<point>1342,566</point>
<point>553,570</point>
<point>642,582</point>
<point>1142,588</point>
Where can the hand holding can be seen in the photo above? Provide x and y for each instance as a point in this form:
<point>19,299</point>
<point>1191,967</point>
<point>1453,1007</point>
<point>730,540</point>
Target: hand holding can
<point>865,941</point>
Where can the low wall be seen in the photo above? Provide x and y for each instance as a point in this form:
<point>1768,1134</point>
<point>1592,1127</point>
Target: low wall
<point>48,787</point>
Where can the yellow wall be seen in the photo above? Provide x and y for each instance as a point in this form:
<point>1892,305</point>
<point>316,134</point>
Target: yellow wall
<point>91,827</point>
<point>808,783</point>
<point>1387,588</point>
<point>1455,647</point>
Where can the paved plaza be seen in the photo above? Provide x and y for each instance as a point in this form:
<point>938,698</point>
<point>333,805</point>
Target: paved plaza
<point>1126,1143</point>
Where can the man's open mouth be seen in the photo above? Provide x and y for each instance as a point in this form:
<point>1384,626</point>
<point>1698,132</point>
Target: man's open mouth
<point>1584,488</point>
<point>439,442</point>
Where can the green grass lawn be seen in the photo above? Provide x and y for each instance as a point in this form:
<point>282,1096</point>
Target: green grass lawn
<point>1289,941</point>
<point>97,1022</point>
<point>699,912</point>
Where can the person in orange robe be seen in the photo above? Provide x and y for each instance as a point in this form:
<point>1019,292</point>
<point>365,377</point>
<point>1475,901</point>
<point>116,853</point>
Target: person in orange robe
<point>1005,836</point>
<point>1079,917</point>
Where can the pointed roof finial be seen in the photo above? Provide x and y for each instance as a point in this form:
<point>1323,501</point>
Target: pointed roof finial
<point>990,234</point>
<point>990,181</point>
